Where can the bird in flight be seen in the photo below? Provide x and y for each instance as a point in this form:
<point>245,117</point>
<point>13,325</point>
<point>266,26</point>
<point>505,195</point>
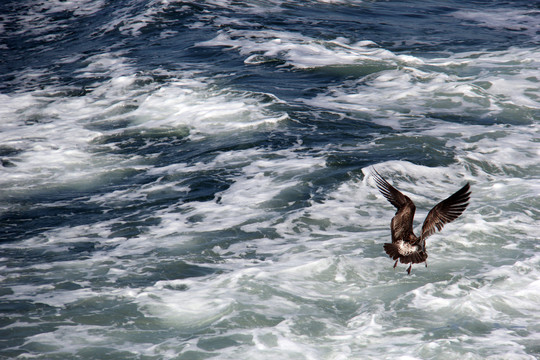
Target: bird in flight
<point>406,247</point>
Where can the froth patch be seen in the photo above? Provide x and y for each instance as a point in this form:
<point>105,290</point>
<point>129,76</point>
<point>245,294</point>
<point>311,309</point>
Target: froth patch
<point>500,301</point>
<point>266,184</point>
<point>42,20</point>
<point>302,51</point>
<point>504,89</point>
<point>519,20</point>
<point>190,310</point>
<point>205,109</point>
<point>54,140</point>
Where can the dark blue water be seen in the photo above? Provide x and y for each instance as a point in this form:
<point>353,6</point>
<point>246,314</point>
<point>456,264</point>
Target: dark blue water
<point>191,180</point>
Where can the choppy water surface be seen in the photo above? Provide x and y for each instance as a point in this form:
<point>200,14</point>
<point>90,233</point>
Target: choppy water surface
<point>191,179</point>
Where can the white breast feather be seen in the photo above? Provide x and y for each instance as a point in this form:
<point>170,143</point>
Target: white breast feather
<point>405,248</point>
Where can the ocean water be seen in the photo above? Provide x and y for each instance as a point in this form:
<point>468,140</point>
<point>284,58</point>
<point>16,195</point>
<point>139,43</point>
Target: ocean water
<point>191,179</point>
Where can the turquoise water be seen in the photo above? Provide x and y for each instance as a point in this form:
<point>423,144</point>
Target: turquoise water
<point>191,180</point>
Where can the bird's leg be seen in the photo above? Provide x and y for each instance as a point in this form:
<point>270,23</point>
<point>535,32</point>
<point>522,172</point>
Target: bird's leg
<point>409,269</point>
<point>395,264</point>
<point>426,263</point>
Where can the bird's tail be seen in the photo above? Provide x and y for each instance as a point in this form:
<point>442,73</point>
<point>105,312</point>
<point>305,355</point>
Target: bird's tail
<point>414,257</point>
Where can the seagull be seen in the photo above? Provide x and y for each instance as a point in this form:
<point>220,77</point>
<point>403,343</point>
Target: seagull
<point>406,247</point>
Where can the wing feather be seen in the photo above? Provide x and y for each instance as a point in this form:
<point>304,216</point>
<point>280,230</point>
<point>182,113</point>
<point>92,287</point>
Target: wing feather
<point>402,222</point>
<point>393,195</point>
<point>446,211</point>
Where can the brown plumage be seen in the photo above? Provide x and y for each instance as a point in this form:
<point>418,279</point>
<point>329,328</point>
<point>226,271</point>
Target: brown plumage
<point>406,247</point>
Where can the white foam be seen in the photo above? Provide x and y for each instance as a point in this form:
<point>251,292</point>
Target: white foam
<point>49,144</point>
<point>54,133</point>
<point>407,92</point>
<point>191,310</point>
<point>203,110</point>
<point>130,20</point>
<point>503,295</point>
<point>38,18</point>
<point>523,21</point>
<point>249,197</point>
<point>478,84</point>
<point>470,84</point>
<point>302,51</point>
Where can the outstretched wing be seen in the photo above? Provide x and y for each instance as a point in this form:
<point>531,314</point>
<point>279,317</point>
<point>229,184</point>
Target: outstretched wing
<point>402,222</point>
<point>446,211</point>
<point>393,195</point>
